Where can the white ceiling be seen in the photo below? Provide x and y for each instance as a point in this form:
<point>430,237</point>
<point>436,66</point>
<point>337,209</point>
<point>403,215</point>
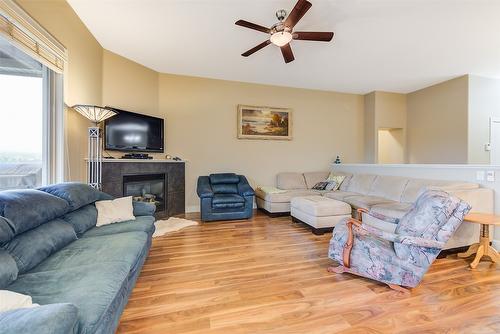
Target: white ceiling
<point>390,45</point>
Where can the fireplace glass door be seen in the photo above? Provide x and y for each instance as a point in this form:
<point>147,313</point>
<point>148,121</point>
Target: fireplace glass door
<point>146,188</point>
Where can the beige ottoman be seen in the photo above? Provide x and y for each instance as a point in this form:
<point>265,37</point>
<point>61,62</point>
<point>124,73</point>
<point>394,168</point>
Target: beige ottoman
<point>320,213</point>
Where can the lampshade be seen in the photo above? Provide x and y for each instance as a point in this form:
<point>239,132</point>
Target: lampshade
<point>94,113</point>
<point>281,38</point>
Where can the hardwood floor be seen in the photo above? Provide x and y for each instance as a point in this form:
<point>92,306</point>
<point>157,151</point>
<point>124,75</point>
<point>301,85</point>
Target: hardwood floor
<point>269,276</point>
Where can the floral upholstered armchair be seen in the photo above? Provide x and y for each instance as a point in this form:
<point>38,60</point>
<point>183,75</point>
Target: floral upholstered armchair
<point>399,259</point>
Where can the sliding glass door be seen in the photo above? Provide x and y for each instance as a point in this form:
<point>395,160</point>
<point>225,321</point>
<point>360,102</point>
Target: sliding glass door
<point>24,94</point>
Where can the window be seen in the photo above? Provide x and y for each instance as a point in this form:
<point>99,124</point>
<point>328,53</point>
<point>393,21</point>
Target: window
<point>21,119</point>
<point>31,101</point>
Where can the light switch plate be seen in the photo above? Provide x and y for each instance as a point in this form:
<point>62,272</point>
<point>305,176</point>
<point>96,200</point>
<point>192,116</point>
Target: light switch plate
<point>480,174</point>
<point>490,176</point>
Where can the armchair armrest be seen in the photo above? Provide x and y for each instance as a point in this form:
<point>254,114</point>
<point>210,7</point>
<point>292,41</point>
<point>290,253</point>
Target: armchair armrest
<point>364,229</point>
<point>204,189</point>
<point>143,208</point>
<point>244,188</point>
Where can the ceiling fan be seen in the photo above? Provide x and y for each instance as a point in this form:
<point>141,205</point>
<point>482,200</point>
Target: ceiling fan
<point>281,33</point>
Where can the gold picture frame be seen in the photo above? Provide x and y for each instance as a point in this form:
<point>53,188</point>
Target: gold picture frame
<point>257,122</point>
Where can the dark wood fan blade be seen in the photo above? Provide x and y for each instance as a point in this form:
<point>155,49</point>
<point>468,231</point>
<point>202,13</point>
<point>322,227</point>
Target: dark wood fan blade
<point>286,50</point>
<point>257,48</point>
<point>313,36</point>
<point>301,7</point>
<point>251,25</point>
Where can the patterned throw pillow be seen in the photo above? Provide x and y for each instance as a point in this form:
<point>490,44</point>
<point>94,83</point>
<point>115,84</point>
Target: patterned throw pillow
<point>332,186</point>
<point>338,179</point>
<point>320,186</point>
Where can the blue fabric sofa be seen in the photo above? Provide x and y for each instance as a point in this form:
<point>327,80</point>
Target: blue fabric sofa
<point>80,274</point>
<point>225,196</point>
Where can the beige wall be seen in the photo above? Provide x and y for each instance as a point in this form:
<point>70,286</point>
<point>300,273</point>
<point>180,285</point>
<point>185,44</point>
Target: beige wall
<point>384,110</point>
<point>201,122</point>
<point>128,85</point>
<point>369,129</point>
<point>437,123</point>
<point>83,76</point>
<point>484,104</point>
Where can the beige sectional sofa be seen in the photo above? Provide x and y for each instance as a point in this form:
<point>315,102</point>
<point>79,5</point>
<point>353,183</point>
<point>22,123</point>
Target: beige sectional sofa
<point>389,195</point>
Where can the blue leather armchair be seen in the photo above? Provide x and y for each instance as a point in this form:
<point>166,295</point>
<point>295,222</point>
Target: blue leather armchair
<point>225,196</point>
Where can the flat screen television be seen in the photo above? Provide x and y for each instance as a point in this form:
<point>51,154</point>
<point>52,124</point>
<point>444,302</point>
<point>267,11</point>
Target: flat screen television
<point>129,131</point>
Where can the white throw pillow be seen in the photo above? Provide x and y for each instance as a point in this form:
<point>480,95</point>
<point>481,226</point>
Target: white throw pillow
<point>12,300</point>
<point>114,211</point>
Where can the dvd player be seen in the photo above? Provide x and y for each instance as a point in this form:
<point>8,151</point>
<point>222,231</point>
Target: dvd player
<point>136,156</point>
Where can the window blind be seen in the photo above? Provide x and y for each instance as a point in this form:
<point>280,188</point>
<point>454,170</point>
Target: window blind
<point>24,32</point>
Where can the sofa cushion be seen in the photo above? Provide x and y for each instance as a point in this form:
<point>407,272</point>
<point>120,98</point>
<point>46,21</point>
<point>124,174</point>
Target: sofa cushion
<point>365,202</point>
<point>416,187</point>
<point>313,178</point>
<point>390,187</point>
<point>319,206</point>
<point>290,181</point>
<point>28,208</point>
<point>228,201</point>
<point>225,188</point>
<point>111,248</point>
<point>91,288</point>
<point>6,230</point>
<point>32,247</point>
<point>361,183</point>
<point>140,224</point>
<point>91,273</point>
<point>339,195</point>
<point>393,210</point>
<point>283,197</point>
<point>76,194</point>
<point>82,219</point>
<point>8,269</point>
<point>46,319</point>
<point>222,178</point>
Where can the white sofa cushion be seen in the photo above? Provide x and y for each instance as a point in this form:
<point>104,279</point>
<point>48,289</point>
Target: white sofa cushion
<point>283,197</point>
<point>290,181</point>
<point>361,183</point>
<point>393,209</point>
<point>312,178</point>
<point>320,206</point>
<point>415,187</point>
<point>365,202</point>
<point>339,195</point>
<point>390,187</point>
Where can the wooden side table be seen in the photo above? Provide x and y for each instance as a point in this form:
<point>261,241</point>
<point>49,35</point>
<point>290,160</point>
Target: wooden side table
<point>483,247</point>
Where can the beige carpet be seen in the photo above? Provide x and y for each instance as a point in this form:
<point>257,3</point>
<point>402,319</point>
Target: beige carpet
<point>170,225</point>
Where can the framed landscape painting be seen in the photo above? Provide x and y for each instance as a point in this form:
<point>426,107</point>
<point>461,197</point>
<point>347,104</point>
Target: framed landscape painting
<point>264,123</point>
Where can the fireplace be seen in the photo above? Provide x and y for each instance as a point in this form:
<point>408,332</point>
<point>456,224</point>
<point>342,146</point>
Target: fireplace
<point>146,188</point>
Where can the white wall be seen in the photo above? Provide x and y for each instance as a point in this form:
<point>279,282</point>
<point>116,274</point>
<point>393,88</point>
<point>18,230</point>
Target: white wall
<point>439,172</point>
<point>484,103</point>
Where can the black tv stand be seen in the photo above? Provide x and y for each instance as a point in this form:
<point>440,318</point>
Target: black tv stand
<point>136,156</point>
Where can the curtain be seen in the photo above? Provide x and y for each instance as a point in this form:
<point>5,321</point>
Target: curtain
<point>26,34</point>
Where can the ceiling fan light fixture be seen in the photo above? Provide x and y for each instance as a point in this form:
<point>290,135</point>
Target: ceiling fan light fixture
<point>281,38</point>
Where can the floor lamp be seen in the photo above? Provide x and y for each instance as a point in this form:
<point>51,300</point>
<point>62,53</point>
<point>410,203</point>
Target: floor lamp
<point>95,114</point>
